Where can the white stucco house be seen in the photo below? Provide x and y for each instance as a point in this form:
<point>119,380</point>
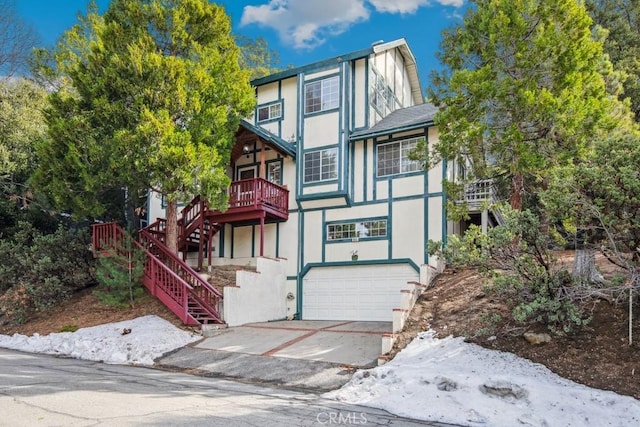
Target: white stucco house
<point>323,183</point>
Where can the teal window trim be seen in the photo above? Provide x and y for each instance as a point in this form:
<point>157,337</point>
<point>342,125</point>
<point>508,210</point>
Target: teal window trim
<point>402,156</point>
<point>327,229</point>
<point>332,90</point>
<point>332,170</point>
<point>268,107</point>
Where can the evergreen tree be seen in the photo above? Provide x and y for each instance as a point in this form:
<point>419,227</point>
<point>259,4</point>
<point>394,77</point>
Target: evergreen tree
<point>151,95</point>
<point>524,85</point>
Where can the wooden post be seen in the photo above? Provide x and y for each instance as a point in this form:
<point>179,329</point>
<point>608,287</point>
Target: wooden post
<point>262,161</point>
<point>262,234</point>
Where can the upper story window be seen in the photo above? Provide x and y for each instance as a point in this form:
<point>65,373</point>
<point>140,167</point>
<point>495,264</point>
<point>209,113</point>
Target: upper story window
<point>381,96</point>
<point>393,157</point>
<point>321,165</point>
<point>270,112</point>
<point>322,95</point>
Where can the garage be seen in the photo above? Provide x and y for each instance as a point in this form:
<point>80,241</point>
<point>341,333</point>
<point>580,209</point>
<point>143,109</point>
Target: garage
<point>359,293</point>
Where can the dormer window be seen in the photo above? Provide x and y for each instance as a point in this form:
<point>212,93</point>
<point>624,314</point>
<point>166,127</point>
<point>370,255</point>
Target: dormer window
<point>322,95</point>
<point>269,112</point>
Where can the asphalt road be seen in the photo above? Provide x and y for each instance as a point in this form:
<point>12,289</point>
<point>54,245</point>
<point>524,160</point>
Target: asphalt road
<point>40,390</point>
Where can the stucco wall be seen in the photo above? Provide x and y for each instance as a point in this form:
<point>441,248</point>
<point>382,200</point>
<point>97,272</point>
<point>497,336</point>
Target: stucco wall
<point>258,296</point>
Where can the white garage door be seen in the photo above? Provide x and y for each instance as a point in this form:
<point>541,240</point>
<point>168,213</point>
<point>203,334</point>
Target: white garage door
<point>364,293</point>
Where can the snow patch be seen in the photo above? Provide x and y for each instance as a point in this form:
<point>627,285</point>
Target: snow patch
<point>149,338</point>
<point>450,381</point>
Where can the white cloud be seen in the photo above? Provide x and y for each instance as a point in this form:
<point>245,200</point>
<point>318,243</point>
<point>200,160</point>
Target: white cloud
<point>410,6</point>
<point>398,6</point>
<point>305,24</point>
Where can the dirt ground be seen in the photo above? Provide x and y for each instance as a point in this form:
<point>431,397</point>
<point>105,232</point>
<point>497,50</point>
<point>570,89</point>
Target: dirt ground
<point>85,310</point>
<point>598,356</point>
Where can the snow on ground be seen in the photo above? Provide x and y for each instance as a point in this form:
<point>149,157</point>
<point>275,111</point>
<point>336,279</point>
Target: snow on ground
<point>450,381</point>
<point>149,338</point>
<point>444,380</point>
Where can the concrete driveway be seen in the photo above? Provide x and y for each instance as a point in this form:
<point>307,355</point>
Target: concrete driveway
<point>308,355</point>
<point>356,344</point>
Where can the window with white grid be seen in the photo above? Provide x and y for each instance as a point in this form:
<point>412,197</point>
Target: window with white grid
<point>322,95</point>
<point>270,112</point>
<point>320,165</point>
<point>393,157</point>
<point>357,230</point>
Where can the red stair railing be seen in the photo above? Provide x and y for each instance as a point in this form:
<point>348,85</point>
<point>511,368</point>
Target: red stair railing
<point>201,293</point>
<point>166,276</point>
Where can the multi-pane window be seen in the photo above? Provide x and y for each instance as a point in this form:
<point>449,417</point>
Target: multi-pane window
<point>357,230</point>
<point>274,172</point>
<point>381,96</point>
<point>393,157</point>
<point>270,112</point>
<point>320,165</point>
<point>322,95</point>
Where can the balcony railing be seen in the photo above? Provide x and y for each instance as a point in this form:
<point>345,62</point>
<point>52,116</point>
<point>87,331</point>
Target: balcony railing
<point>258,193</point>
<point>478,193</point>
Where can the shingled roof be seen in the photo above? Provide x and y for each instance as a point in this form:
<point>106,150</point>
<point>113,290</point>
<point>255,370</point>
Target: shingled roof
<point>400,120</point>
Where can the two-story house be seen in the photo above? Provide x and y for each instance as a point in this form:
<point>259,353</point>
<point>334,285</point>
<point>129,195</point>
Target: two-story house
<point>323,179</point>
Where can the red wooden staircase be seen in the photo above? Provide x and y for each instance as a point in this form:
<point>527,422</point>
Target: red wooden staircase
<point>168,277</point>
<point>195,229</point>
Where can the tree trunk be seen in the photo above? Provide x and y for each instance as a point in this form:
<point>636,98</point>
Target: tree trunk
<point>584,267</point>
<point>172,226</point>
<point>517,190</point>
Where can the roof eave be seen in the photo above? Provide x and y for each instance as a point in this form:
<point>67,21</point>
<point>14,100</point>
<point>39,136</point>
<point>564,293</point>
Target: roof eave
<point>410,64</point>
<point>360,137</point>
<point>278,142</point>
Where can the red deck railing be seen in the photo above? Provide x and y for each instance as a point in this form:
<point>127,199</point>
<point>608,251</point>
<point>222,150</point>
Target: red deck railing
<point>258,193</point>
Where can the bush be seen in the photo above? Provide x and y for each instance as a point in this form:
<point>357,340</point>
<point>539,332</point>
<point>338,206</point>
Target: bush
<point>38,271</point>
<point>519,267</point>
<point>119,275</point>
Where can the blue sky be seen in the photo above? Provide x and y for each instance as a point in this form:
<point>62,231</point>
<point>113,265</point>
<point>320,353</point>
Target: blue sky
<point>301,31</point>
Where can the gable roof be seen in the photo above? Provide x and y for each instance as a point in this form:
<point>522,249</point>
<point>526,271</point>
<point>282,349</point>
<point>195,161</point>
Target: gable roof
<point>408,118</point>
<point>400,44</point>
<point>285,147</point>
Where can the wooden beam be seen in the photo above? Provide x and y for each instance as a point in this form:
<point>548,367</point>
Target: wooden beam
<point>262,161</point>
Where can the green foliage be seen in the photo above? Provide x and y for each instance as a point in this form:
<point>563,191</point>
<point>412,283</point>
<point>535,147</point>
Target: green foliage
<point>519,267</point>
<point>154,95</point>
<point>256,56</point>
<point>119,275</point>
<point>600,195</point>
<point>38,271</point>
<point>621,18</point>
<point>490,322</point>
<point>22,126</point>
<point>524,84</point>
<point>69,328</point>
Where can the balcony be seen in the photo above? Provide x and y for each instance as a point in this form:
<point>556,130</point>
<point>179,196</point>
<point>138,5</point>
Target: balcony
<point>254,199</point>
<point>479,194</point>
